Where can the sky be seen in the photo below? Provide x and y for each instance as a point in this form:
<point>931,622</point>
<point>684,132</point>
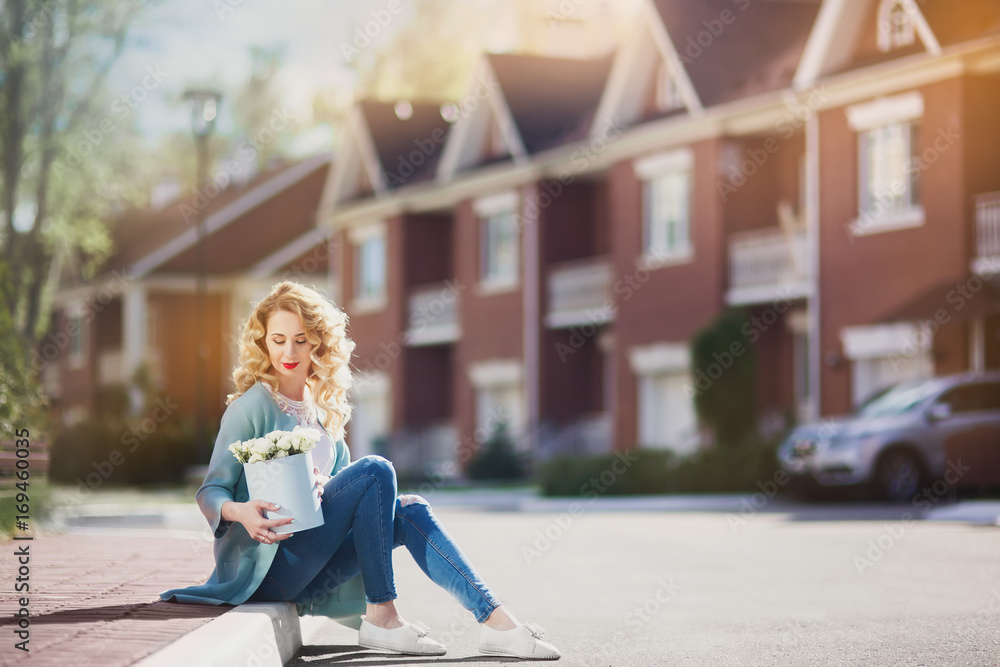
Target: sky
<point>206,43</point>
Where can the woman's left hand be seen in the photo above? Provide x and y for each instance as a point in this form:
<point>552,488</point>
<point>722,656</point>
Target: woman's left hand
<point>321,480</point>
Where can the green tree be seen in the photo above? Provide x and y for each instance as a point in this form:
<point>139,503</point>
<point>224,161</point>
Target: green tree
<point>724,360</point>
<point>59,171</point>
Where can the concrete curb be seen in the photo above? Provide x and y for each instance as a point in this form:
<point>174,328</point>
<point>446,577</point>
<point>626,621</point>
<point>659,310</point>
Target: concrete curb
<point>258,634</point>
<point>978,512</point>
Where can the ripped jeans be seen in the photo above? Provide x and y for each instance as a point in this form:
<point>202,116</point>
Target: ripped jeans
<point>363,522</point>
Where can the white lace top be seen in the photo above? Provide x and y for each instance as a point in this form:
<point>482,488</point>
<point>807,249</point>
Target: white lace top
<point>305,413</point>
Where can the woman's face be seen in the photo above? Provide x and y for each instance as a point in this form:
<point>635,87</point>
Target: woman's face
<point>287,347</point>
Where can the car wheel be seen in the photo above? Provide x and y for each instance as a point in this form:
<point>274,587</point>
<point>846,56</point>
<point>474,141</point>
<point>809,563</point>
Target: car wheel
<point>899,476</point>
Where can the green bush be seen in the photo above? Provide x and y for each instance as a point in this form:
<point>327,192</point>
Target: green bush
<point>724,368</point>
<point>717,470</point>
<point>497,459</point>
<point>105,450</point>
<point>39,502</point>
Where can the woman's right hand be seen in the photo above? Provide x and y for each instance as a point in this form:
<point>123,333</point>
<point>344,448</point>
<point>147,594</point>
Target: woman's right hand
<point>251,515</point>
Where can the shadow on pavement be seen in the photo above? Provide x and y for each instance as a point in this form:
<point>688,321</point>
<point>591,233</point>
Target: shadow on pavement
<point>150,611</point>
<point>353,655</point>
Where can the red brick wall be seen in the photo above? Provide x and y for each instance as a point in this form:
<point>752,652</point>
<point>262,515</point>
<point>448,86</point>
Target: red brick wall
<point>674,301</point>
<point>378,334</point>
<point>864,279</point>
<point>491,324</point>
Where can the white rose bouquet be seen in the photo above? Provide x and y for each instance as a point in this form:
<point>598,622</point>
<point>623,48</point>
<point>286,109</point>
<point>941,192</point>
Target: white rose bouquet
<point>279,469</point>
<point>276,444</point>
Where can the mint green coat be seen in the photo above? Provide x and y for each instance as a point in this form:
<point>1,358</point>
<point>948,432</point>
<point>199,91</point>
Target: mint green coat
<point>240,561</point>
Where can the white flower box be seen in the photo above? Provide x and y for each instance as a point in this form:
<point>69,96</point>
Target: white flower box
<point>290,483</point>
<point>279,469</point>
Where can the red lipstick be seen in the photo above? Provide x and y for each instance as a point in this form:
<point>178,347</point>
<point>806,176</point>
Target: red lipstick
<point>290,366</point>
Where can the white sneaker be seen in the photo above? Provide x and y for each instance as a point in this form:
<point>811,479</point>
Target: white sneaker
<point>411,638</point>
<point>524,641</point>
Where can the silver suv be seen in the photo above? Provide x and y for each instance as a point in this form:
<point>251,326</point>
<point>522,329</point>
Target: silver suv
<point>896,440</point>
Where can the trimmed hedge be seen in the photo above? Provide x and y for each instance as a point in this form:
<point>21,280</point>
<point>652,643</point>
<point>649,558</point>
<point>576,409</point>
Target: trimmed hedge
<point>717,470</point>
<point>101,451</point>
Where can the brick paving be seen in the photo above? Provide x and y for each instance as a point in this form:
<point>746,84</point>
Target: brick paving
<point>94,599</point>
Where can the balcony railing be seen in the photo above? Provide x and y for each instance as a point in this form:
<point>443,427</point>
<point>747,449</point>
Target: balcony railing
<point>579,293</point>
<point>433,314</point>
<point>987,234</point>
<point>762,262</point>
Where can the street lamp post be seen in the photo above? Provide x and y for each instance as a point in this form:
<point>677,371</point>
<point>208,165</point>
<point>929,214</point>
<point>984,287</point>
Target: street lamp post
<point>204,108</point>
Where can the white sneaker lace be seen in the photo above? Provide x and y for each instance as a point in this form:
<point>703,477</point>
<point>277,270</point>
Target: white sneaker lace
<point>536,630</point>
<point>419,628</point>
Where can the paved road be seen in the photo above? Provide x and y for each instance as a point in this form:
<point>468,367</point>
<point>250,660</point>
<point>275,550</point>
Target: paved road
<point>789,585</point>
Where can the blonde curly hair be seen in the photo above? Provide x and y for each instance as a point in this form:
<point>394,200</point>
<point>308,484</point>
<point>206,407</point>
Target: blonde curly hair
<point>325,325</point>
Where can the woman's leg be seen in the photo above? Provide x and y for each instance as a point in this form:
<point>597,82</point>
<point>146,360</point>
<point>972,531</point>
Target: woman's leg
<point>434,551</point>
<point>359,502</point>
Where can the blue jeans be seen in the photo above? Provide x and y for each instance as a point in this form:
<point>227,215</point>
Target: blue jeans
<point>363,522</point>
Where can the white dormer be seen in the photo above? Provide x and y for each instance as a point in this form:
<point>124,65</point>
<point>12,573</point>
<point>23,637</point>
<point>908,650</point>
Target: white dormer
<point>895,24</point>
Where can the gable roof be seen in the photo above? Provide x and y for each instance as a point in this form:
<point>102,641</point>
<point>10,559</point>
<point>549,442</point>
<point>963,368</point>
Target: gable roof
<point>253,218</point>
<point>535,103</point>
<point>358,170</point>
<point>734,49</point>
<point>632,75</point>
<point>715,51</point>
<point>552,100</point>
<point>846,34</point>
<point>384,151</point>
<point>408,149</point>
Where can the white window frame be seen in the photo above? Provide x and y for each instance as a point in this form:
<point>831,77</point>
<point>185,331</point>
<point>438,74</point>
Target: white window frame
<point>367,297</point>
<point>652,365</point>
<point>494,214</point>
<point>492,379</point>
<point>657,171</point>
<point>880,120</point>
<point>902,344</point>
